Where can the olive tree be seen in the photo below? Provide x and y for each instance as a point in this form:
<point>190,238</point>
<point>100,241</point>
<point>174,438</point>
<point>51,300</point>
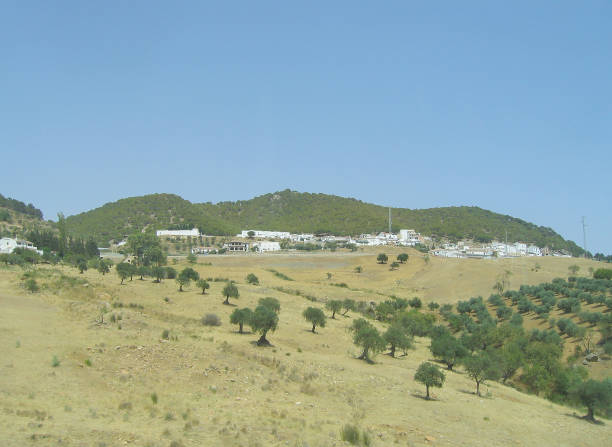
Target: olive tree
<point>123,270</point>
<point>315,316</point>
<point>397,337</point>
<point>429,375</point>
<point>203,284</point>
<point>186,276</point>
<point>595,395</point>
<point>481,367</point>
<point>334,306</point>
<point>382,258</point>
<point>368,338</point>
<point>241,317</point>
<point>230,291</point>
<point>402,257</point>
<point>263,321</point>
<point>447,349</point>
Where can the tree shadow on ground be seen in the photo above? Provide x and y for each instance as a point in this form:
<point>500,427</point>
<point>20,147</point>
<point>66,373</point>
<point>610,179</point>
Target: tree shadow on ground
<point>265,345</point>
<point>424,397</point>
<point>229,304</point>
<point>584,418</point>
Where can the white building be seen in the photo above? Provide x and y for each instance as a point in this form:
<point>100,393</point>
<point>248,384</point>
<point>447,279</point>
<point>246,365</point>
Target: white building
<point>265,234</point>
<point>8,245</point>
<point>534,250</point>
<point>180,233</point>
<point>409,237</point>
<point>264,246</point>
<point>304,237</point>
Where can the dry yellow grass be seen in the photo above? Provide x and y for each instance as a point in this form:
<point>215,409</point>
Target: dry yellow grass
<point>214,387</point>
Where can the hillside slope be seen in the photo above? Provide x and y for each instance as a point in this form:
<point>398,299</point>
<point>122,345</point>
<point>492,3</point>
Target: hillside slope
<point>304,212</point>
<point>213,386</point>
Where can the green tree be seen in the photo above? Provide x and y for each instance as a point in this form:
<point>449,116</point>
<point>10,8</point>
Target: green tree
<point>263,321</point>
<point>270,303</point>
<point>203,284</point>
<point>123,270</point>
<point>358,269</point>
<point>192,258</point>
<point>104,266</point>
<point>397,338</point>
<point>143,246</point>
<point>91,249</point>
<point>573,269</point>
<point>81,265</point>
<point>230,291</point>
<point>415,303</point>
<point>394,266</point>
<point>159,273</point>
<point>143,271</point>
<point>186,276</point>
<point>348,305</point>
<point>241,317</point>
<point>170,273</point>
<point>481,367</point>
<point>511,358</point>
<point>595,395</point>
<point>315,316</point>
<point>402,257</point>
<point>252,279</point>
<point>447,349</point>
<point>429,375</point>
<point>334,306</point>
<point>382,258</point>
<point>368,338</point>
<point>63,235</point>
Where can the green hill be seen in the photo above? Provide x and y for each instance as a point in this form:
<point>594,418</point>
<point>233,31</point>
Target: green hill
<point>303,212</point>
<point>17,218</point>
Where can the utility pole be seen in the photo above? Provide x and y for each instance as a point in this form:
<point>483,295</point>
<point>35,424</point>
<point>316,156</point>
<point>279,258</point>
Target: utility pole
<point>389,220</point>
<point>584,245</point>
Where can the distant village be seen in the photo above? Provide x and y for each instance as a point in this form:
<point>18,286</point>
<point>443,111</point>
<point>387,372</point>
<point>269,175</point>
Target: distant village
<point>262,241</point>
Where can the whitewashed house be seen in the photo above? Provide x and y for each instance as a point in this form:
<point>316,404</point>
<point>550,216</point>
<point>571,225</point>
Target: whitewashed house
<point>8,245</point>
<point>264,246</point>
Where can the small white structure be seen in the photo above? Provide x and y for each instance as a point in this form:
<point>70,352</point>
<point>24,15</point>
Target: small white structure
<point>8,245</point>
<point>180,233</point>
<point>234,246</point>
<point>264,246</point>
<point>265,234</point>
<point>304,237</point>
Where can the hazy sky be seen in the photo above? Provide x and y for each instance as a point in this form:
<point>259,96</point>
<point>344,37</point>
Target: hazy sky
<point>408,104</point>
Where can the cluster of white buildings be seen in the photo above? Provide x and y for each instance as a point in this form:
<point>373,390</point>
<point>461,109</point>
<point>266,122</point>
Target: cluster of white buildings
<point>494,249</point>
<point>8,245</point>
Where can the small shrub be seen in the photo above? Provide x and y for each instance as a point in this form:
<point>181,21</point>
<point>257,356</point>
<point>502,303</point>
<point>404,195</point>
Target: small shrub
<point>31,285</point>
<point>55,362</point>
<point>154,398</point>
<point>166,334</point>
<point>211,320</point>
<point>88,362</point>
<point>352,435</point>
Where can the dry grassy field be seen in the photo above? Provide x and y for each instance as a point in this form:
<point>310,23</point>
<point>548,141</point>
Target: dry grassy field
<point>119,382</point>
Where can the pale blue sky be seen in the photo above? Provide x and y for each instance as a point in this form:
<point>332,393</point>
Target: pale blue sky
<point>409,104</point>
